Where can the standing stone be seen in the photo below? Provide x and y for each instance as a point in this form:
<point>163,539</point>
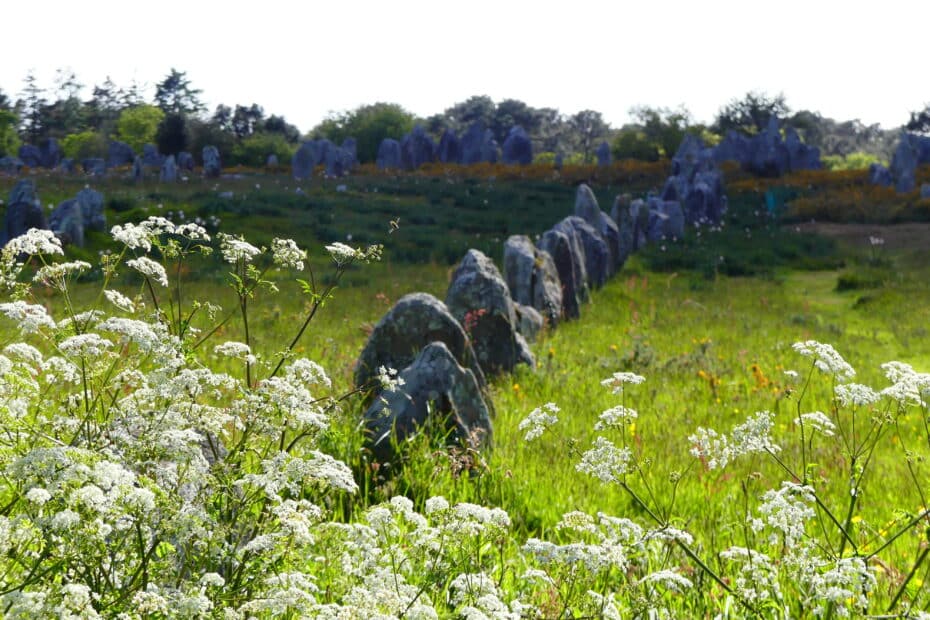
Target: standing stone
<point>350,153</point>
<point>586,206</point>
<point>450,149</point>
<point>925,191</point>
<point>416,149</point>
<point>529,321</point>
<point>10,165</point>
<point>305,159</point>
<point>904,166</point>
<point>67,166</point>
<point>24,210</point>
<point>414,322</point>
<point>436,385</point>
<point>490,153</point>
<point>119,154</point>
<point>733,147</point>
<point>169,171</point>
<point>211,162</point>
<point>50,153</point>
<point>388,155</point>
<point>603,154</point>
<point>568,264</point>
<point>479,299</point>
<point>769,153</point>
<point>532,277</point>
<point>30,155</point>
<point>138,169</point>
<point>620,214</point>
<point>272,161</point>
<point>880,175</point>
<point>91,202</point>
<point>151,157</point>
<point>472,144</point>
<point>517,148</point>
<point>557,163</point>
<point>67,222</point>
<point>94,166</point>
<point>335,162</point>
<point>185,161</point>
<point>596,254</point>
<point>800,155</point>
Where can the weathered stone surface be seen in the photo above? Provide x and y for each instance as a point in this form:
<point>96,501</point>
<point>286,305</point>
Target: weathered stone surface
<point>626,233</point>
<point>666,220</point>
<point>350,153</point>
<point>603,154</point>
<point>91,202</point>
<point>169,171</point>
<point>569,263</point>
<point>557,162</point>
<point>415,321</point>
<point>336,162</point>
<point>450,148</point>
<point>67,222</point>
<point>138,169</point>
<point>532,277</point>
<point>490,152</point>
<point>211,162</point>
<point>30,155</point>
<point>151,157</point>
<point>517,148</point>
<point>586,206</point>
<point>691,157</point>
<point>306,158</point>
<point>67,166</point>
<point>24,210</point>
<point>596,254</point>
<point>611,234</point>
<point>880,175</point>
<point>733,147</point>
<point>416,149</point>
<point>50,153</point>
<point>800,155</point>
<point>272,161</point>
<point>388,155</point>
<point>921,145</point>
<point>436,385</point>
<point>480,301</point>
<point>185,161</point>
<point>94,166</point>
<point>10,165</point>
<point>473,144</point>
<point>119,154</point>
<point>925,191</point>
<point>769,153</point>
<point>529,321</point>
<point>904,166</point>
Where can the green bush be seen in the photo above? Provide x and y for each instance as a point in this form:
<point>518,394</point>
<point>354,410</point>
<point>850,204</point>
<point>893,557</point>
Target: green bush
<point>84,144</point>
<point>255,149</point>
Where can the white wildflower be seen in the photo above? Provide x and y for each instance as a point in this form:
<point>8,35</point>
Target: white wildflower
<point>147,336</point>
<point>342,253</point>
<point>192,231</point>
<point>538,420</point>
<point>845,584</point>
<point>212,580</point>
<point>120,301</point>
<point>786,510</point>
<point>56,273</point>
<point>38,495</point>
<point>58,370</point>
<point>29,317</point>
<point>436,504</point>
<point>818,421</point>
<point>236,249</point>
<point>285,252</point>
<point>237,350</point>
<point>25,352</point>
<point>856,395</point>
<point>711,447</point>
<point>389,379</point>
<point>150,269</point>
<point>826,358</point>
<point>619,379</point>
<point>85,345</point>
<point>669,579</point>
<point>792,375</point>
<point>605,461</point>
<point>35,241</point>
<point>615,417</point>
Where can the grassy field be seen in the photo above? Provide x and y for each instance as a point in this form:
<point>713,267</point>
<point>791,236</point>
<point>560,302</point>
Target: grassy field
<point>709,323</point>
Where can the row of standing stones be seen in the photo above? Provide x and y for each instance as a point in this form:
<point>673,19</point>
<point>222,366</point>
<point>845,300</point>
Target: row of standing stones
<point>68,221</point>
<point>445,350</point>
<point>119,154</point>
<point>912,151</point>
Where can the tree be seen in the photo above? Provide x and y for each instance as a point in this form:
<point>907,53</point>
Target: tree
<point>662,128</point>
<point>586,127</point>
<point>9,140</point>
<point>510,112</point>
<point>139,125</point>
<point>477,108</point>
<point>66,114</point>
<point>750,114</point>
<point>632,143</point>
<point>369,125</point>
<point>104,106</point>
<point>279,125</point>
<point>920,121</point>
<point>247,120</point>
<point>174,94</point>
<point>84,144</point>
<point>171,136</point>
<point>254,150</point>
<point>32,103</point>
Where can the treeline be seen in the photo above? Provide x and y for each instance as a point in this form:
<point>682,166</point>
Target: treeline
<point>176,119</point>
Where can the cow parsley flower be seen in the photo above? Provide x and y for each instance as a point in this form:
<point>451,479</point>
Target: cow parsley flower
<point>342,253</point>
<point>285,253</point>
<point>538,420</point>
<point>150,269</point>
<point>35,241</point>
<point>856,395</point>
<point>85,345</point>
<point>669,579</point>
<point>120,301</point>
<point>236,350</point>
<point>55,274</point>
<point>826,358</point>
<point>818,421</point>
<point>619,379</point>
<point>236,249</point>
<point>389,379</point>
<point>29,317</point>
<point>38,495</point>
<point>786,510</point>
<point>615,417</point>
<point>605,461</point>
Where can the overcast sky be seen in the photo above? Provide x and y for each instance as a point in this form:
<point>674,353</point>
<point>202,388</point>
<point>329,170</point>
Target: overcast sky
<point>305,58</point>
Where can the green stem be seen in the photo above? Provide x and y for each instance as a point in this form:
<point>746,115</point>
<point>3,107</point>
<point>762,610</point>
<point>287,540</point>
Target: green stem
<point>907,580</point>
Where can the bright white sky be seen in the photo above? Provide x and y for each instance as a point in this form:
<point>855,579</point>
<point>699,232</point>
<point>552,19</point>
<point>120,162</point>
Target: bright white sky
<point>303,58</point>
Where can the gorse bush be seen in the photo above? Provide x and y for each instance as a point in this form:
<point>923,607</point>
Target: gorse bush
<point>149,468</point>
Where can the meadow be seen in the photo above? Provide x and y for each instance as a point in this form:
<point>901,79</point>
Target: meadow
<point>622,507</point>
